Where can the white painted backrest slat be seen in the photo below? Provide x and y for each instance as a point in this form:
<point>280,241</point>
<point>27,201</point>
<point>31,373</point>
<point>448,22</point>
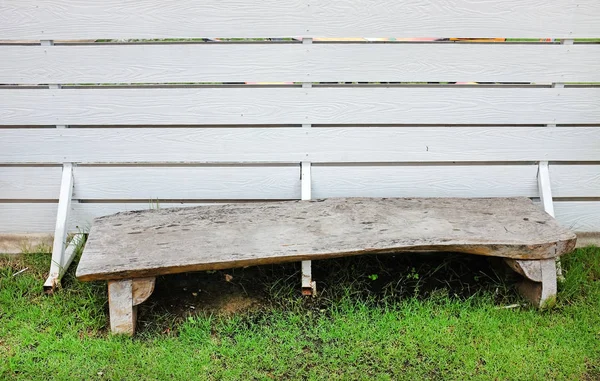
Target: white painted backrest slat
<point>178,183</point>
<point>284,106</point>
<point>293,145</point>
<point>268,182</point>
<point>149,19</point>
<point>276,62</point>
<point>581,216</point>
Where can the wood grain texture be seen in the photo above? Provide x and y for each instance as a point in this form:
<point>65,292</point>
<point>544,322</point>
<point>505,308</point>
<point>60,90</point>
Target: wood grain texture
<point>153,63</point>
<point>79,19</point>
<point>425,181</point>
<point>543,293</point>
<point>298,62</point>
<point>121,183</point>
<point>545,187</point>
<point>23,217</point>
<point>118,19</point>
<point>219,106</point>
<point>294,145</point>
<point>30,183</point>
<point>141,244</point>
<point>575,180</point>
<point>123,314</point>
<point>581,216</point>
<point>28,218</point>
<point>141,289</point>
<point>59,253</point>
<point>455,18</point>
<point>454,62</point>
<point>532,270</point>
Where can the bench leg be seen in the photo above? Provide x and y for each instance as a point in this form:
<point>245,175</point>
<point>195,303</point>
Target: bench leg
<point>309,286</point>
<point>539,285</point>
<point>123,298</point>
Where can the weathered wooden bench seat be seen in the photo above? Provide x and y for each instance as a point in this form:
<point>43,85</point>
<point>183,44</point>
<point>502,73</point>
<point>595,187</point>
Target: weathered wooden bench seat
<point>130,249</point>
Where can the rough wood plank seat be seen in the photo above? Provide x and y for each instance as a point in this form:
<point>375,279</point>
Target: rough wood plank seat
<point>125,247</point>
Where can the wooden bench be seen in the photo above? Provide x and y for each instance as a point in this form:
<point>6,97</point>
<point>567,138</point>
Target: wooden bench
<point>130,249</point>
<point>111,105</point>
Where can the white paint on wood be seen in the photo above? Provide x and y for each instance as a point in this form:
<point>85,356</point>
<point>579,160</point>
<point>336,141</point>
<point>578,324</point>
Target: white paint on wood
<point>70,251</point>
<point>309,287</point>
<point>580,216</point>
<point>218,106</point>
<point>30,183</point>
<point>455,18</point>
<point>153,63</point>
<point>41,217</point>
<point>80,19</point>
<point>294,145</point>
<point>454,62</point>
<point>297,63</point>
<point>116,19</point>
<point>61,229</point>
<point>544,185</point>
<point>568,180</point>
<point>177,183</point>
<point>306,193</point>
<point>425,181</point>
<point>575,180</point>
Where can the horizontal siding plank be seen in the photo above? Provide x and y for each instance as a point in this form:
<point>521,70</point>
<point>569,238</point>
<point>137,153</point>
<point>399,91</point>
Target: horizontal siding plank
<point>150,19</point>
<point>42,183</point>
<point>28,218</point>
<point>425,181</point>
<point>31,183</point>
<point>41,217</point>
<point>298,62</point>
<point>152,63</point>
<point>288,145</point>
<point>455,18</point>
<point>583,216</point>
<point>360,105</point>
<point>80,19</point>
<point>579,216</point>
<point>575,180</point>
<point>117,183</point>
<point>454,63</point>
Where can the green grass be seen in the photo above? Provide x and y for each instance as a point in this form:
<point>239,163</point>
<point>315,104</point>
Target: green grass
<point>410,317</point>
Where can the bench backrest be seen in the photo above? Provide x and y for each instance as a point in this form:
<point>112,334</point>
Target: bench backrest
<point>111,87</point>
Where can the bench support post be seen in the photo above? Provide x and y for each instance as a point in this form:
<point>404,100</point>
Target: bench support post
<point>539,285</point>
<point>309,287</point>
<point>544,187</point>
<point>123,299</point>
<point>62,255</point>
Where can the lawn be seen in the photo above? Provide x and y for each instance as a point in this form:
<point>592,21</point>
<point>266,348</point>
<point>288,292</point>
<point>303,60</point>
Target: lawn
<point>439,317</point>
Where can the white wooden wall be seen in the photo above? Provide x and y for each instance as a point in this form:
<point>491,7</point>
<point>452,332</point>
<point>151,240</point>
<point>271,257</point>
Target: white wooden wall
<point>147,121</point>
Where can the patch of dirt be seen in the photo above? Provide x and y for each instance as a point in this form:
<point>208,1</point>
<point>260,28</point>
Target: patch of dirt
<point>237,303</point>
<point>385,278</point>
<point>216,292</point>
